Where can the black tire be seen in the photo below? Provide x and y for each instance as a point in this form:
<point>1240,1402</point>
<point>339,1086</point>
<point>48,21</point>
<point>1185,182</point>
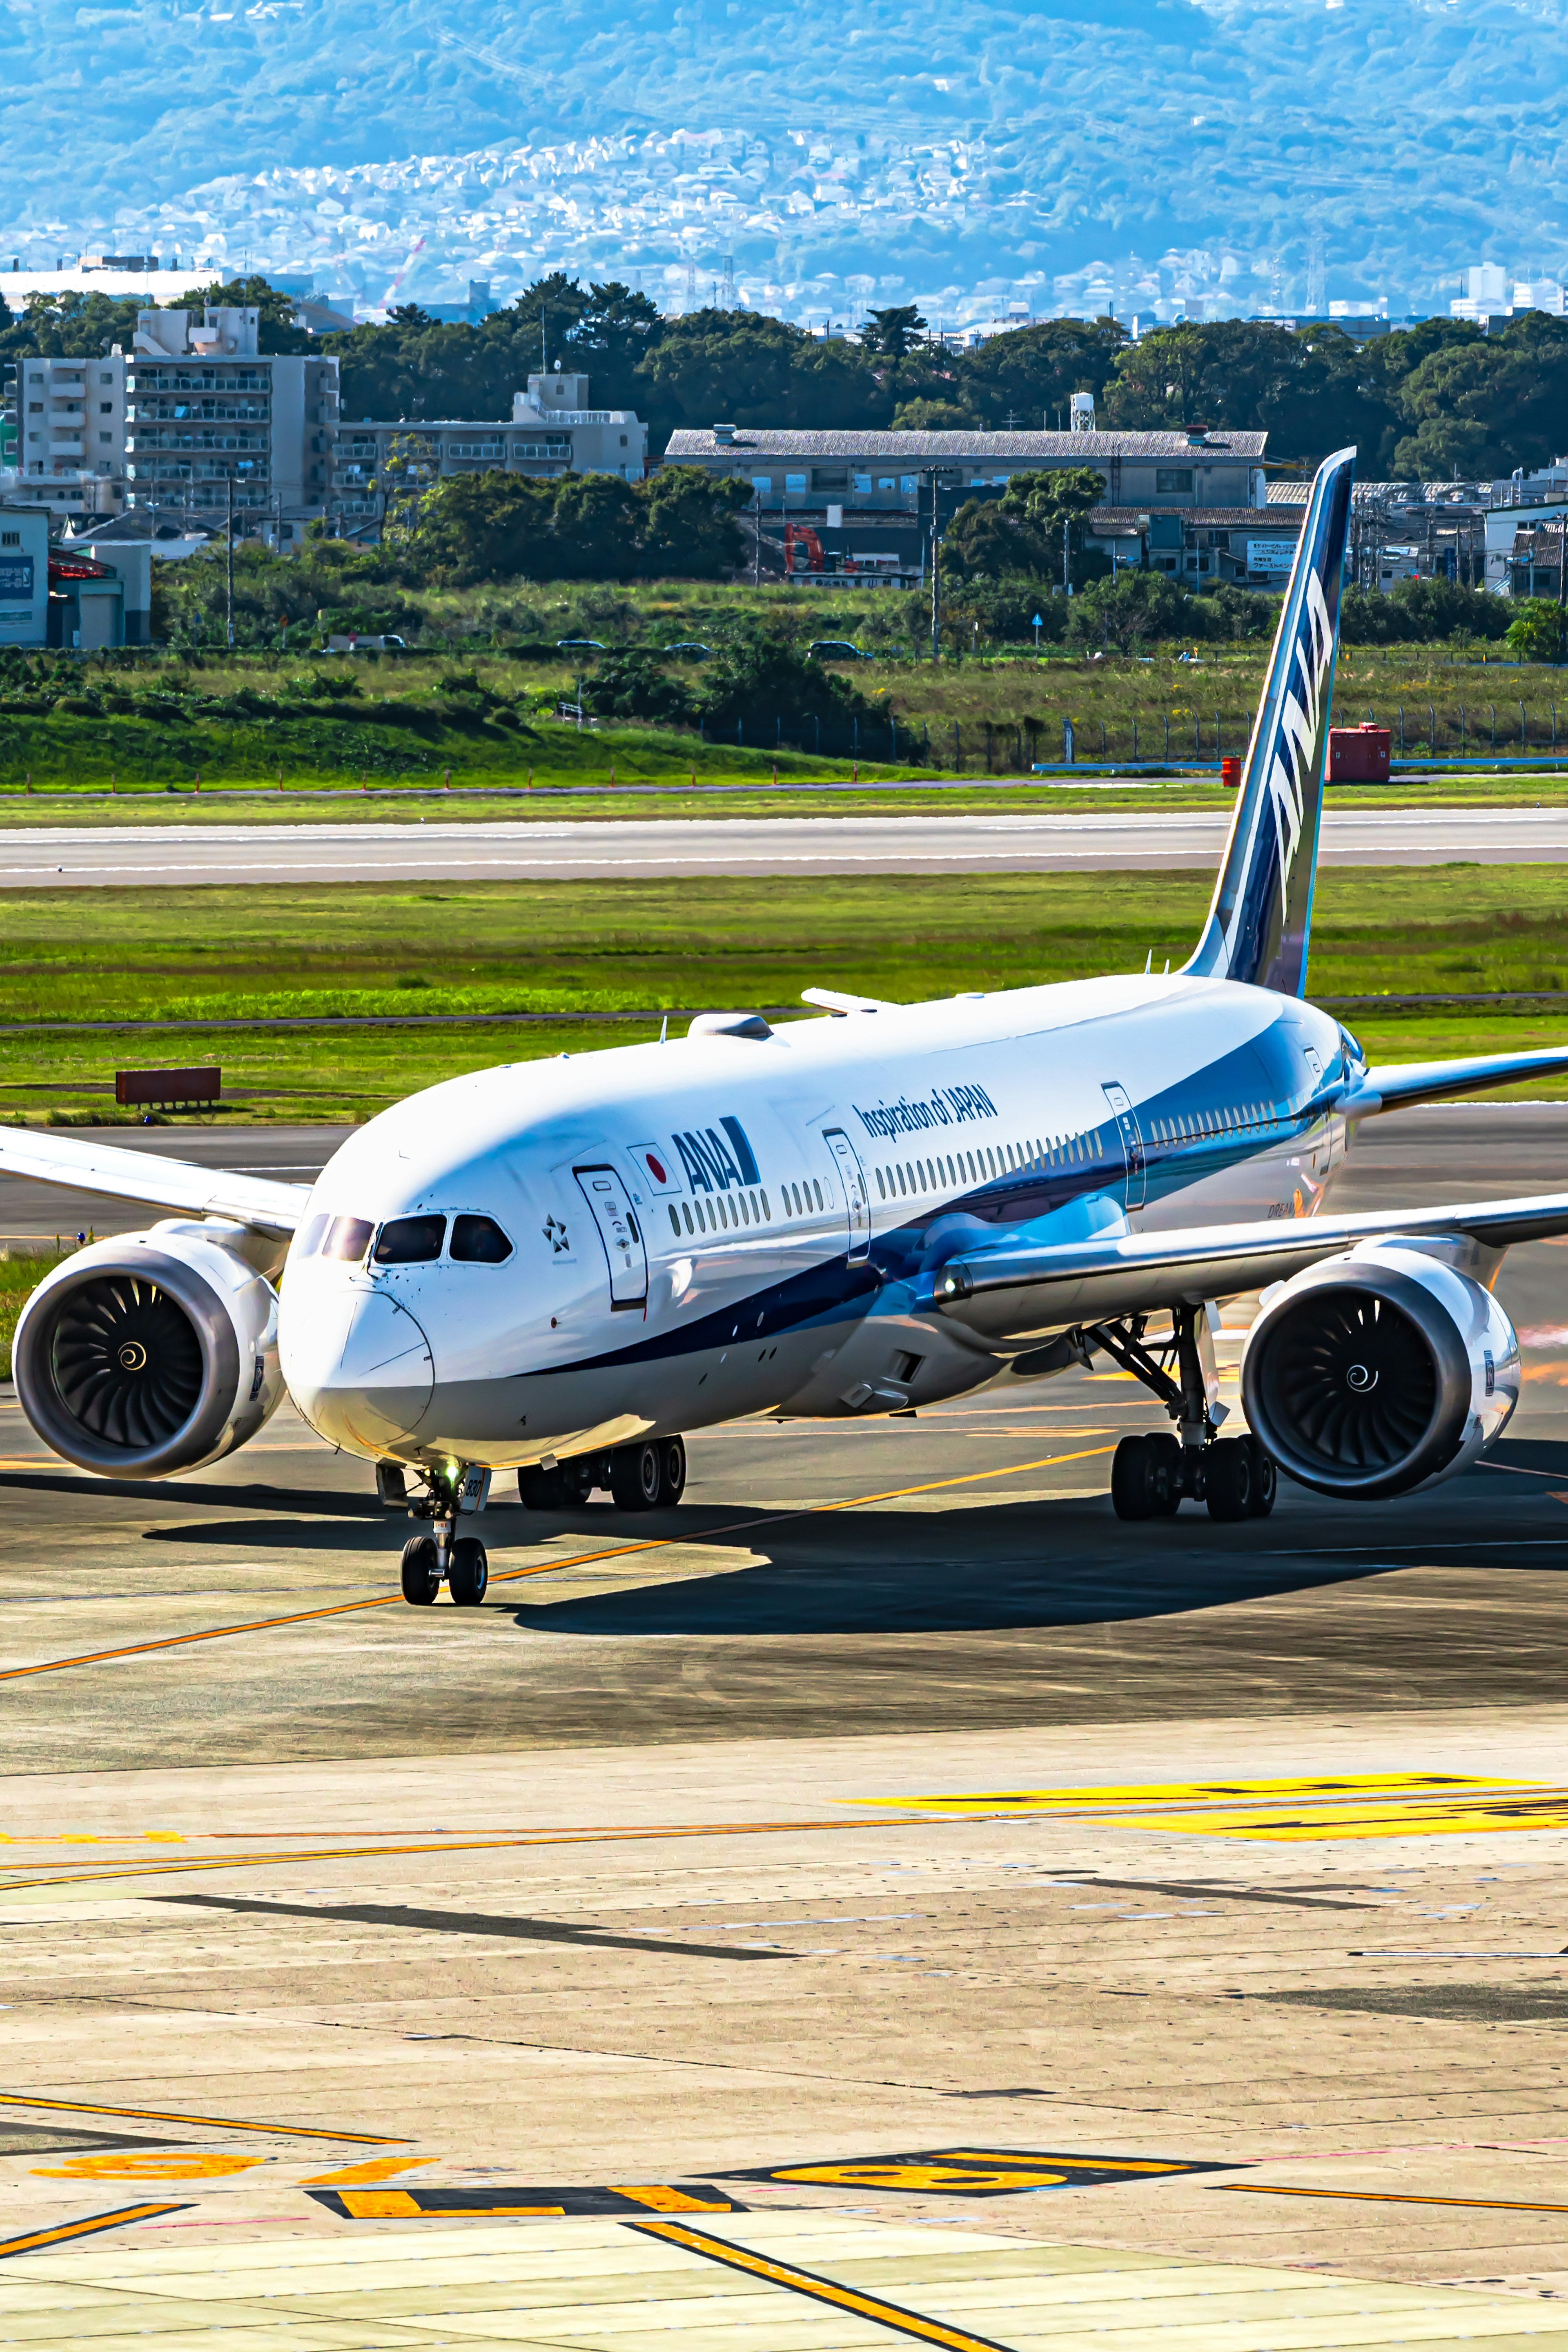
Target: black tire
<point>468,1572</point>
<point>578,1479</point>
<point>1164,1475</point>
<point>1231,1479</point>
<point>672,1456</point>
<point>1265,1479</point>
<point>637,1477</point>
<point>421,1575</point>
<point>1130,1482</point>
<point>538,1489</point>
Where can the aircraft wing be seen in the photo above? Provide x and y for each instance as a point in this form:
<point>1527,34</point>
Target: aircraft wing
<point>1020,1289</point>
<point>148,1176</point>
<point>1399,1085</point>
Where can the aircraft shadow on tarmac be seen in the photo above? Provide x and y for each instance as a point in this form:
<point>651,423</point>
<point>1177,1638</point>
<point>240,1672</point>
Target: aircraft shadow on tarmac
<point>1047,1564</point>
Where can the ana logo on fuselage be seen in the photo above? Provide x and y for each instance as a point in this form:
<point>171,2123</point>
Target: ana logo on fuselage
<point>715,1162</point>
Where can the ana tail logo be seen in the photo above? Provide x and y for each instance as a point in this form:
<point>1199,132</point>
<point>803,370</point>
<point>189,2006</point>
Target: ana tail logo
<point>1260,922</point>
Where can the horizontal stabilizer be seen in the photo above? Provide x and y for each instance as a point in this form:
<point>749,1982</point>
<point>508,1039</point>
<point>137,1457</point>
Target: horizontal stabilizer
<point>147,1176</point>
<point>1398,1085</point>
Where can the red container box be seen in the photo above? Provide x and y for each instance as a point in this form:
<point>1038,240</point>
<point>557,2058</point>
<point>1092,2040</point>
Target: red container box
<point>1358,755</point>
<point>1230,772</point>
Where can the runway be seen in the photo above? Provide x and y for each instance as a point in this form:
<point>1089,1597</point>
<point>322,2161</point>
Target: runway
<point>868,1862</point>
<point>172,856</point>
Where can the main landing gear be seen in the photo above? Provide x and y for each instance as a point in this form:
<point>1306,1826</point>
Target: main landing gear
<point>1150,1475</point>
<point>439,1556</point>
<point>649,1476</point>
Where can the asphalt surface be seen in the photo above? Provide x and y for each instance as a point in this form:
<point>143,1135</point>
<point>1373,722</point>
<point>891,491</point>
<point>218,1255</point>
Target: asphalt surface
<point>649,1869</point>
<point>172,855</point>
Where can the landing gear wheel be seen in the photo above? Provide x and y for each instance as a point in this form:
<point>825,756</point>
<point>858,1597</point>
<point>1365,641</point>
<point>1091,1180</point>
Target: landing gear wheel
<point>672,1455</point>
<point>637,1477</point>
<point>1265,1479</point>
<point>1164,1475</point>
<point>1132,1480</point>
<point>469,1573</point>
<point>421,1574</point>
<point>565,1488</point>
<point>1231,1479</point>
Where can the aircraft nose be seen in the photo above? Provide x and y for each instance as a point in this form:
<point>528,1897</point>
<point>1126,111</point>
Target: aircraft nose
<point>359,1368</point>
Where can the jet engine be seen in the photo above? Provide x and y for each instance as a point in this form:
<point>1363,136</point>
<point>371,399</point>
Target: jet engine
<point>152,1352</point>
<point>1380,1370</point>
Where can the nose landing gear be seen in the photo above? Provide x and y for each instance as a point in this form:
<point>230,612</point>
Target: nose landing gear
<point>441,1556</point>
<point>1151,1475</point>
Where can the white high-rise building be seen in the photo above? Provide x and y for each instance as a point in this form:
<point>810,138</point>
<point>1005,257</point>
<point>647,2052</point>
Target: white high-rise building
<point>67,420</point>
<point>205,409</point>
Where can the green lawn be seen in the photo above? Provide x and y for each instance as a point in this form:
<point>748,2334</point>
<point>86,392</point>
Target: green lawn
<point>577,950</point>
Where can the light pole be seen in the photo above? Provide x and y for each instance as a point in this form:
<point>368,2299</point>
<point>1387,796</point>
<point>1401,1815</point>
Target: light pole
<point>230,480</point>
<point>935,573</point>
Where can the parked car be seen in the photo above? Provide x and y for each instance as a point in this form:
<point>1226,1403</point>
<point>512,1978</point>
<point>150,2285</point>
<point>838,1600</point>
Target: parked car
<point>837,649</point>
<point>355,644</point>
<point>579,646</point>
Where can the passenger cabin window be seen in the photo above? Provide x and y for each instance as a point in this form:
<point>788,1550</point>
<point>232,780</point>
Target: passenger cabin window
<point>348,1238</point>
<point>410,1241</point>
<point>479,1241</point>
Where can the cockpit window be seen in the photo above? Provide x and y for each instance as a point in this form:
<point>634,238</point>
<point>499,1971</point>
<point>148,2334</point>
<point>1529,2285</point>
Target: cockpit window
<point>409,1241</point>
<point>348,1238</point>
<point>309,1240</point>
<point>479,1241</point>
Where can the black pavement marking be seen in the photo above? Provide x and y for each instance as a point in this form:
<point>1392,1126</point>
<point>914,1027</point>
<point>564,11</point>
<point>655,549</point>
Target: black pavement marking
<point>1477,2004</point>
<point>398,2203</point>
<point>471,1923</point>
<point>974,2171</point>
<point>43,2139</point>
<point>36,2240</point>
<point>1209,1888</point>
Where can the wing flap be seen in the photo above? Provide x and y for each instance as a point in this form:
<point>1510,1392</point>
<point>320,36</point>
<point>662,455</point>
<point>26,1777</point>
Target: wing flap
<point>1030,1289</point>
<point>148,1176</point>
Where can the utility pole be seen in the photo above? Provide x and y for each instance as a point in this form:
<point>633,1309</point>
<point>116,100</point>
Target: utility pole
<point>935,572</point>
<point>230,479</point>
<point>1067,557</point>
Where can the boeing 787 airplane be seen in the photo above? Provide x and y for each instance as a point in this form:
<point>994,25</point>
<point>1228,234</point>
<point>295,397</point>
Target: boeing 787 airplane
<point>558,1267</point>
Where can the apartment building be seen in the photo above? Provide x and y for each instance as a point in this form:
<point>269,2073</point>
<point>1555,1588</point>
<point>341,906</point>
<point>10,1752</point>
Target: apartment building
<point>867,473</point>
<point>209,416</point>
<point>64,433</point>
<point>553,430</point>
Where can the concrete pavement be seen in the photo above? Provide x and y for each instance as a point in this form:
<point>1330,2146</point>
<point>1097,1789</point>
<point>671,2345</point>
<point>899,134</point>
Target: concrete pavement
<point>170,855</point>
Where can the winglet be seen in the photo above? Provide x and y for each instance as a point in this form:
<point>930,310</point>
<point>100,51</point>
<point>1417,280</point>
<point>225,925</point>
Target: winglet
<point>1259,925</point>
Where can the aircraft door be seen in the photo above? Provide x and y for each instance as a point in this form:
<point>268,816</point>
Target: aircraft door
<point>626,1252</point>
<point>1126,1118</point>
<point>857,1199</point>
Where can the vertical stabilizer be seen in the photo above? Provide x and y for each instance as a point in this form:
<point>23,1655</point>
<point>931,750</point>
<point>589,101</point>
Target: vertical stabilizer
<point>1258,926</point>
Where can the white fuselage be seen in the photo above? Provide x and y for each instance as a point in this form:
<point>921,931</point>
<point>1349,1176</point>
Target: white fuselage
<point>732,1224</point>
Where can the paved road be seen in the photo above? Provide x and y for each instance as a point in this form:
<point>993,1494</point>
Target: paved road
<point>411,851</point>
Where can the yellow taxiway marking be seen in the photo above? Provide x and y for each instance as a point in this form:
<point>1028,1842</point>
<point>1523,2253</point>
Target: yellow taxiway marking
<point>64,2231</point>
<point>217,2123</point>
<point>818,2289</point>
<point>1537,1808</point>
<point>547,1566</point>
<point>1166,1797</point>
<point>108,1872</point>
<point>198,2164</point>
<point>354,2175</point>
<point>1386,2197</point>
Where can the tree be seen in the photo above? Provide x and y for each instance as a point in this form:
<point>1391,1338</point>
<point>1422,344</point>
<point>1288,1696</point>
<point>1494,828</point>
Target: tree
<point>1030,374</point>
<point>933,416</point>
<point>1538,631</point>
<point>1311,392</point>
<point>687,527</point>
<point>1483,405</point>
<point>1129,610</point>
<point>479,526</point>
<point>1023,532</point>
<point>759,683</point>
<point>593,527</point>
<point>892,332</point>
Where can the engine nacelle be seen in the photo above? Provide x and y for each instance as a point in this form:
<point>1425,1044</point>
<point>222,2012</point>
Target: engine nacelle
<point>152,1352</point>
<point>1379,1370</point>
